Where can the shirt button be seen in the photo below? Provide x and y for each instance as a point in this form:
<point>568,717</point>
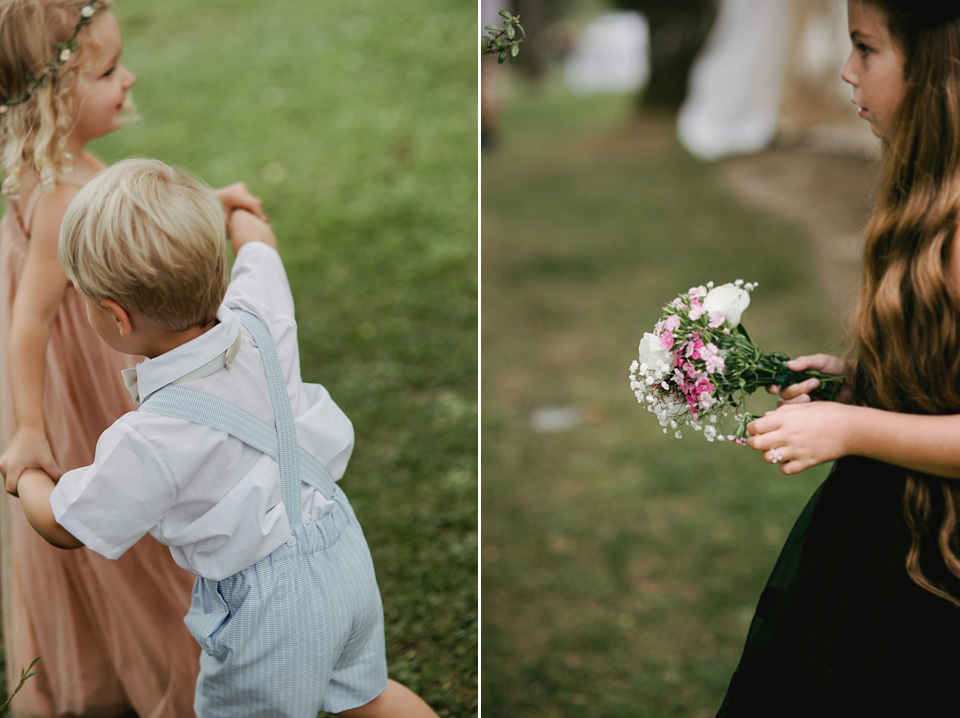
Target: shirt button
<point>292,541</point>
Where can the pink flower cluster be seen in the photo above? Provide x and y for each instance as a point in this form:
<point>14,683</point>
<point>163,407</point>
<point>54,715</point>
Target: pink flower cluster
<point>680,371</point>
<point>693,362</point>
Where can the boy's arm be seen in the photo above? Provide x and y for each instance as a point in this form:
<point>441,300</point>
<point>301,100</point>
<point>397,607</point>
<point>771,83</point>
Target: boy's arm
<point>258,280</point>
<point>34,489</point>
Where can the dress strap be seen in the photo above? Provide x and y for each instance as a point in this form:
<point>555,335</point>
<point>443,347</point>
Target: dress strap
<point>25,218</point>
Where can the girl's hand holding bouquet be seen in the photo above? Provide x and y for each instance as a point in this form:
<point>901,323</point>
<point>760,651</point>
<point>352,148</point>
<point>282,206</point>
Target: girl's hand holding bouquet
<point>824,363</point>
<point>699,364</point>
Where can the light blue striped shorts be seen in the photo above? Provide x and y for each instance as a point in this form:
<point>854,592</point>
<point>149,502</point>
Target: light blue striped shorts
<point>298,632</point>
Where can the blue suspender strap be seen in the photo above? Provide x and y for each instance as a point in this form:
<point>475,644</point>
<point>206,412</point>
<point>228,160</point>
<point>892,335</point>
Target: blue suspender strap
<point>180,402</point>
<point>278,442</point>
<point>282,413</point>
<point>314,472</point>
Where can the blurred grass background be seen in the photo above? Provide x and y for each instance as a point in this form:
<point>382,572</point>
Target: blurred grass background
<point>620,567</point>
<point>355,121</point>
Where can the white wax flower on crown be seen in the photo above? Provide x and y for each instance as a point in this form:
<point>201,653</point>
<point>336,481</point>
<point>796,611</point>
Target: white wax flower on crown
<point>88,11</point>
<point>728,300</point>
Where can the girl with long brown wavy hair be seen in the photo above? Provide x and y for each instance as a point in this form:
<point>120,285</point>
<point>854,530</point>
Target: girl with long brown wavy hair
<point>861,615</point>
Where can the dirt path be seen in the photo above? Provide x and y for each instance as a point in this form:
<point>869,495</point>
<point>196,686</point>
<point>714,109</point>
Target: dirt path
<point>830,193</point>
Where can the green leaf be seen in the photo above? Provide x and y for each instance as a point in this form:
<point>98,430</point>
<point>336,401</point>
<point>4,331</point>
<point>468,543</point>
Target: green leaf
<point>505,14</point>
<point>514,51</point>
<point>511,33</point>
<point>491,28</point>
<point>503,56</point>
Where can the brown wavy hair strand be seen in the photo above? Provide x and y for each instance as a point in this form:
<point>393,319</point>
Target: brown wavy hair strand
<point>908,319</point>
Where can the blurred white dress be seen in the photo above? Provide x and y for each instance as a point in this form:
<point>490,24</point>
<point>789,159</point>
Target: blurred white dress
<point>736,84</point>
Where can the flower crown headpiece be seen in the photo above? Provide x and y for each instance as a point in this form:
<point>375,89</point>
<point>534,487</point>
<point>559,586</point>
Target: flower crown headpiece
<point>64,51</point>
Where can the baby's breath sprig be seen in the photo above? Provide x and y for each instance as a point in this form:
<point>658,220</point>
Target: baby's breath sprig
<point>504,42</point>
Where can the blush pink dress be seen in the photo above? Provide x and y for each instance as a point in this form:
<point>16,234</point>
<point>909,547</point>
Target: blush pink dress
<point>110,634</point>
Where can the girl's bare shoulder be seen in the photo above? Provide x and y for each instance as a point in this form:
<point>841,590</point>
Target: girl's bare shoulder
<point>48,212</point>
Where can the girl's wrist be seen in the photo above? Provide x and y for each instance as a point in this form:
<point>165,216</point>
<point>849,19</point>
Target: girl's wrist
<point>32,427</point>
<point>848,430</point>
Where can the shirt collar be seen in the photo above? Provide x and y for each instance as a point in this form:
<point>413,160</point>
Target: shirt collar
<point>213,350</point>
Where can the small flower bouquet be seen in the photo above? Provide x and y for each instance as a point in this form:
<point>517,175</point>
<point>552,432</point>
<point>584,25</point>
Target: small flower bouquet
<point>699,364</point>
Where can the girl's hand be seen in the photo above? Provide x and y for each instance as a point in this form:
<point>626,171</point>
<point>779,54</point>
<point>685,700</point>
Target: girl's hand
<point>798,436</point>
<point>800,393</point>
<point>29,448</point>
<point>237,196</point>
<point>244,227</point>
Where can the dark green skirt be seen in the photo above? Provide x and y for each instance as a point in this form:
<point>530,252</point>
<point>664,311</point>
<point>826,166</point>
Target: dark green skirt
<point>840,629</point>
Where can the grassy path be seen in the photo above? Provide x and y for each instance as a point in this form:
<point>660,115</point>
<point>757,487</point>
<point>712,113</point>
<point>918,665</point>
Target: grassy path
<point>620,566</point>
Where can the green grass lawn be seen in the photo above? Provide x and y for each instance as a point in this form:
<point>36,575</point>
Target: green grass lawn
<point>355,121</point>
<point>620,567</point>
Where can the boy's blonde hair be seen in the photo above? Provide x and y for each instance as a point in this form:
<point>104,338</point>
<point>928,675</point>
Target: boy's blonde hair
<point>34,133</point>
<point>152,239</point>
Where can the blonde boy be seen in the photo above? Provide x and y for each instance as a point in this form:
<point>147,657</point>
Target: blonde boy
<point>231,460</point>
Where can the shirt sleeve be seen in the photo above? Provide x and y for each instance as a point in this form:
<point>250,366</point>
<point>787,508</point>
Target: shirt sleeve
<point>115,501</point>
<point>259,281</point>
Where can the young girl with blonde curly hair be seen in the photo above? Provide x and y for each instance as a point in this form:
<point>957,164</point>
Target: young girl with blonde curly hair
<point>110,634</point>
<point>861,616</point>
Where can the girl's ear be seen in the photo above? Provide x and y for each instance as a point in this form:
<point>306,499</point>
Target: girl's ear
<point>120,316</point>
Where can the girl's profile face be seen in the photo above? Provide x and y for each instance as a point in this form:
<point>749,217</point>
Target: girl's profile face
<point>100,92</point>
<point>874,69</point>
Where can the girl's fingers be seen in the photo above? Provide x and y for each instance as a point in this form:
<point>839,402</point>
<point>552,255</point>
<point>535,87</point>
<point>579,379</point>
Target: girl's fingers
<point>762,425</point>
<point>795,391</point>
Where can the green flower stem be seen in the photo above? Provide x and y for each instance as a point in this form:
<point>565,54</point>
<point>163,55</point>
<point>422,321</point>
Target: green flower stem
<point>25,673</point>
<point>749,369</point>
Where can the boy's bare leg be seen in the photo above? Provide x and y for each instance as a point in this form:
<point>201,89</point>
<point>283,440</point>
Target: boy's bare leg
<point>397,701</point>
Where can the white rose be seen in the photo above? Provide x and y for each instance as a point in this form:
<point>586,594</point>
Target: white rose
<point>727,300</point>
<point>653,354</point>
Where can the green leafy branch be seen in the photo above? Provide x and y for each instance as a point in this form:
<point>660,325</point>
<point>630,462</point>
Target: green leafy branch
<point>504,42</point>
<point>24,675</point>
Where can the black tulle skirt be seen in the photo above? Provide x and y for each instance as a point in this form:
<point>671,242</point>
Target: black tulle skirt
<point>840,629</point>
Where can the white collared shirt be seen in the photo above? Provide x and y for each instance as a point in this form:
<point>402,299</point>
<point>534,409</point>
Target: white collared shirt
<point>213,500</point>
